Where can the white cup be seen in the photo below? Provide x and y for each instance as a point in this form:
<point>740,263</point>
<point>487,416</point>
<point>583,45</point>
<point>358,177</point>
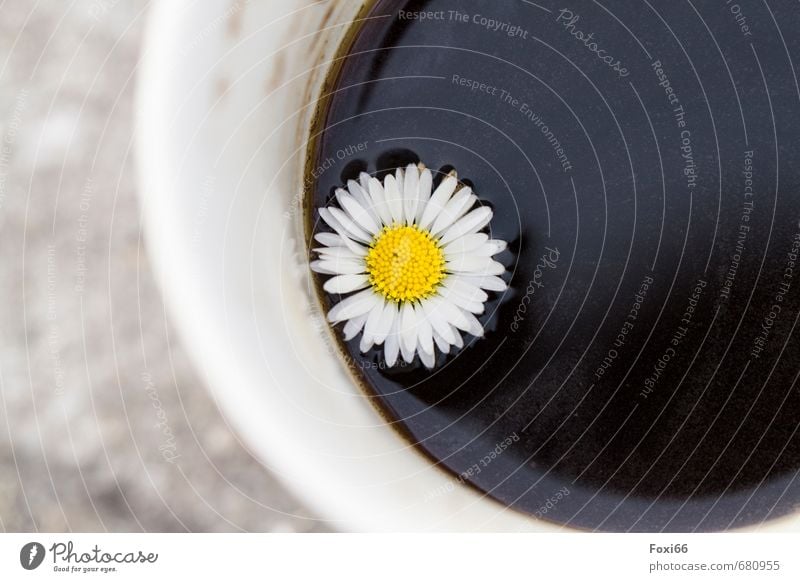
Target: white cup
<point>227,91</point>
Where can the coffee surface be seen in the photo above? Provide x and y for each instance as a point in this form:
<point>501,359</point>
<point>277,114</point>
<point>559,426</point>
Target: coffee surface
<point>641,160</point>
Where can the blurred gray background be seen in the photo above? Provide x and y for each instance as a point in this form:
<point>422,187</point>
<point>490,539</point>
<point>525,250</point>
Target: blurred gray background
<point>104,423</point>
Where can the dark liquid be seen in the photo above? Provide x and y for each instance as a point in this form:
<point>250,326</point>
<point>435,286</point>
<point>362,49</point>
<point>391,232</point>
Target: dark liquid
<point>645,357</point>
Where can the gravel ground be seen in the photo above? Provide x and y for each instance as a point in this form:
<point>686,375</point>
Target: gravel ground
<point>104,423</point>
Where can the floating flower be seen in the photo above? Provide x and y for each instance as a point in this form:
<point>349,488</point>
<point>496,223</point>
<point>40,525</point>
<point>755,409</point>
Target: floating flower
<point>413,264</point>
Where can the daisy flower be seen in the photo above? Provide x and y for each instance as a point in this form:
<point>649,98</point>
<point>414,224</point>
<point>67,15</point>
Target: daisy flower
<point>414,265</point>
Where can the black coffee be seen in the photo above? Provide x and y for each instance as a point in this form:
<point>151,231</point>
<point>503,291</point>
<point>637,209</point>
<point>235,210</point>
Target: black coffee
<point>641,159</point>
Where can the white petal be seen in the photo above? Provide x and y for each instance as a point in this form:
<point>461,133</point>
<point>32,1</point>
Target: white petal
<point>340,266</point>
<point>452,314</point>
<point>394,199</point>
<point>362,197</point>
<point>378,196</point>
<point>363,180</point>
<point>408,355</point>
<point>438,201</point>
<point>365,344</point>
<point>358,213</point>
<point>456,207</point>
<point>331,221</point>
<point>392,344</point>
<point>399,177</point>
<point>388,318</point>
<point>488,282</point>
<point>466,243</point>
<point>443,345</point>
<point>408,328</point>
<point>346,283</point>
<point>492,247</point>
<point>475,327</point>
<point>424,336</point>
<point>430,308</point>
<point>353,306</point>
<point>472,222</point>
<point>374,318</point>
<point>411,193</point>
<point>329,239</point>
<point>350,227</point>
<point>495,268</point>
<point>459,343</point>
<point>368,339</point>
<point>339,193</point>
<point>424,188</point>
<point>320,267</point>
<point>336,253</point>
<point>461,301</point>
<point>471,264</point>
<point>465,287</point>
<point>353,326</point>
<point>428,359</point>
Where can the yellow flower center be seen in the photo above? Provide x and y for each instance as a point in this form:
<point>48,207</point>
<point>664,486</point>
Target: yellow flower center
<point>404,263</point>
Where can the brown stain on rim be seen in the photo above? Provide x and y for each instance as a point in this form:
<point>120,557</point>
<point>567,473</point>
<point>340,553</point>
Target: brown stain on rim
<point>236,10</point>
<point>321,104</point>
<point>277,74</point>
<point>221,87</point>
<point>327,17</point>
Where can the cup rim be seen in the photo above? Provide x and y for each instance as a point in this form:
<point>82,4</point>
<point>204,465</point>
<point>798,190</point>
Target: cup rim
<point>162,40</point>
<point>159,40</point>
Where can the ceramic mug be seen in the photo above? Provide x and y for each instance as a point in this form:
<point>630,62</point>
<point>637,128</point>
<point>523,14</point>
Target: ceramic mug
<point>226,99</point>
